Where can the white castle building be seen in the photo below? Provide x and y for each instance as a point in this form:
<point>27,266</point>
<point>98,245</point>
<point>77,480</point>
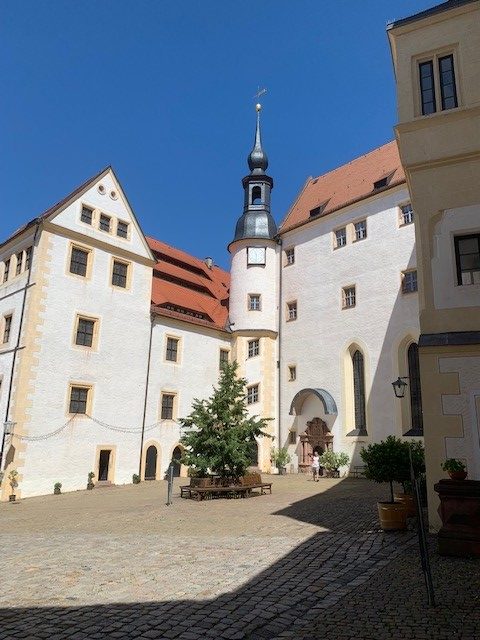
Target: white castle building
<point>107,336</point>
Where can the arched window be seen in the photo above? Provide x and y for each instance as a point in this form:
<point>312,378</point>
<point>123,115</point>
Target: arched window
<point>359,392</point>
<point>257,195</point>
<point>415,390</point>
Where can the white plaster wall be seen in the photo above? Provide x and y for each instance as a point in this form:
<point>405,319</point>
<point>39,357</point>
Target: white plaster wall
<point>194,376</point>
<point>116,371</point>
<point>447,293</point>
<point>317,341</point>
<point>253,279</point>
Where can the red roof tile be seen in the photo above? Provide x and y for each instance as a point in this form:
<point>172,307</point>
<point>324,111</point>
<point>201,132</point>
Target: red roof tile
<point>346,185</point>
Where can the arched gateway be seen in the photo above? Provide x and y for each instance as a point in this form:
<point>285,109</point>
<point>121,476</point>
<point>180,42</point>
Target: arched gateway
<point>316,438</point>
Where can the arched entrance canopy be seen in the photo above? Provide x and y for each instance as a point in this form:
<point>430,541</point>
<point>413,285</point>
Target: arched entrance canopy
<point>328,402</point>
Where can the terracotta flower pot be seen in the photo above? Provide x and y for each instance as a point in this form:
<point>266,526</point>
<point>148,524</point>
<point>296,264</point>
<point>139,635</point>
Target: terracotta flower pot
<point>457,475</point>
<point>393,515</point>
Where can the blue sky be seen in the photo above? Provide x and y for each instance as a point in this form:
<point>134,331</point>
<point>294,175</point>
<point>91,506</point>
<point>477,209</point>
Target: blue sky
<point>163,91</point>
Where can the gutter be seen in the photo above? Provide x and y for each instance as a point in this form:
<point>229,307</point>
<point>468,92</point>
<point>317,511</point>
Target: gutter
<point>17,348</point>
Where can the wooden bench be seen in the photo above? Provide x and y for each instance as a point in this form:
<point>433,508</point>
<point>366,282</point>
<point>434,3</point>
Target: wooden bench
<point>199,493</point>
<point>215,488</point>
<point>358,471</point>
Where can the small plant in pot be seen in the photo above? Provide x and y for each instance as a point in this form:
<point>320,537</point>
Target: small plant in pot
<point>57,488</point>
<point>332,461</point>
<point>90,484</point>
<point>280,458</point>
<point>455,469</point>
<point>388,461</point>
<point>13,481</point>
<point>136,478</point>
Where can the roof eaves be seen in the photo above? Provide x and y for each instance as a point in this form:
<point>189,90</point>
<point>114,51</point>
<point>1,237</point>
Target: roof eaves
<point>168,313</point>
<point>439,8</point>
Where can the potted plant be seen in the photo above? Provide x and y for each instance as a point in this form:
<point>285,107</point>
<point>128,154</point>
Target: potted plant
<point>90,484</point>
<point>280,458</point>
<point>57,488</point>
<point>136,478</point>
<point>455,469</point>
<point>13,480</point>
<point>388,461</point>
<point>332,461</point>
<point>418,462</point>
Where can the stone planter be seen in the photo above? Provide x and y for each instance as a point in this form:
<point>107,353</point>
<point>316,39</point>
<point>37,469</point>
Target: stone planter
<point>457,475</point>
<point>57,492</point>
<point>409,501</point>
<point>90,486</point>
<point>12,497</point>
<point>460,513</point>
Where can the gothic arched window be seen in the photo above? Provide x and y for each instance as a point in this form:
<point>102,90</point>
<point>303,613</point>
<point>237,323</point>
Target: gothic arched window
<point>359,392</point>
<point>257,195</point>
<point>415,389</point>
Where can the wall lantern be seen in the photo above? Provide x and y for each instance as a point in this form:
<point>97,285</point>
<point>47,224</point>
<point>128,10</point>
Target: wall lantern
<point>8,427</point>
<point>399,387</point>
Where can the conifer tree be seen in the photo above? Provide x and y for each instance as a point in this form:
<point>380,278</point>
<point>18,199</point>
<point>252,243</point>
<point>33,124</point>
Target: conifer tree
<point>221,432</point>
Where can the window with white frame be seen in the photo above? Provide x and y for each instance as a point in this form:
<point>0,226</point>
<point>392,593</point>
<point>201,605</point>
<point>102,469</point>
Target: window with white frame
<point>437,83</point>
<point>254,302</point>
<point>406,214</point>
<point>360,230</point>
<point>467,256</point>
<point>409,281</point>
<point>291,310</point>
<point>289,256</point>
<point>252,394</point>
<point>349,297</point>
<point>340,237</point>
<point>253,347</point>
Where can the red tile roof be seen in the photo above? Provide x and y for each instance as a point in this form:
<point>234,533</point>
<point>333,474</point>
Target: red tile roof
<point>346,185</point>
<point>184,287</point>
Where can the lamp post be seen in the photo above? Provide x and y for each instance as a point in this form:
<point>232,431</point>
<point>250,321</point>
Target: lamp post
<point>399,386</point>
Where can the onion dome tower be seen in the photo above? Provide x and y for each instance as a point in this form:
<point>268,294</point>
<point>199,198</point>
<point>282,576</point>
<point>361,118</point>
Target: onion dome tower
<point>253,292</point>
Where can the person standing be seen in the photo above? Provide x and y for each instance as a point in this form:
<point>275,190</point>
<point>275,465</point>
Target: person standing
<point>316,466</point>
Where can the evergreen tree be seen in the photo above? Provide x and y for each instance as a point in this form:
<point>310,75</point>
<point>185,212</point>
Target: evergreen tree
<point>220,430</point>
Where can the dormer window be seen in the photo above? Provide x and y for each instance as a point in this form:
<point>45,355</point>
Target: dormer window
<point>257,195</point>
<point>316,211</point>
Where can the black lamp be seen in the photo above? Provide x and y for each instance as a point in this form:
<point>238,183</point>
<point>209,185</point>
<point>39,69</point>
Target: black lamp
<point>399,387</point>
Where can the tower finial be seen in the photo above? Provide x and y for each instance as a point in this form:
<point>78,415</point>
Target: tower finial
<point>257,160</point>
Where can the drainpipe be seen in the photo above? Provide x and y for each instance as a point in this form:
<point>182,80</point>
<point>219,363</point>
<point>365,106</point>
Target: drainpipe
<point>38,222</point>
<point>152,320</point>
<point>279,361</point>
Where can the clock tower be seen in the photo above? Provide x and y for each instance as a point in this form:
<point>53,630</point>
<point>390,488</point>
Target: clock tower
<point>254,294</point>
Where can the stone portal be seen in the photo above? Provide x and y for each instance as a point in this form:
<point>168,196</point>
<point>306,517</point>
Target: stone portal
<point>316,437</point>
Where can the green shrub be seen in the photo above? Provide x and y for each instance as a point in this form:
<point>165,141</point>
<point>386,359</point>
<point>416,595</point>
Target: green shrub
<point>332,460</point>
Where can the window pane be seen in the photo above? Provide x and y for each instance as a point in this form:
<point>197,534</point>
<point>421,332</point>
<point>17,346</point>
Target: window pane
<point>448,90</point>
<point>85,332</point>
<point>427,90</point>
<point>78,261</point>
<point>104,222</point>
<point>122,229</point>
<point>415,389</point>
<point>119,274</point>
<point>172,349</point>
<point>86,215</point>
<point>359,391</point>
<point>78,400</point>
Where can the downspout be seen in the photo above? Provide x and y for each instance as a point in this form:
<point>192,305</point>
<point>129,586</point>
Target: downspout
<point>17,346</point>
<point>147,382</point>
<point>280,311</point>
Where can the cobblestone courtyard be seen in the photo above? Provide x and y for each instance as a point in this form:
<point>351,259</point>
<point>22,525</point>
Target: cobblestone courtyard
<point>306,562</point>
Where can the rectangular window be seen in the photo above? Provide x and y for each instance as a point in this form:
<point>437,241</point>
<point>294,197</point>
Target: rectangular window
<point>290,256</point>
<point>254,302</point>
<point>252,394</point>
<point>341,237</point>
<point>427,88</point>
<point>18,268</point>
<point>6,270</point>
<point>85,331</point>
<point>28,258</point>
<point>7,329</point>
<point>360,230</point>
<point>467,254</point>
<point>348,297</point>
<point>448,90</point>
<point>253,348</point>
<point>407,214</point>
<point>292,437</point>
<point>172,350</point>
<point>105,222</point>
<point>86,215</point>
<point>119,274</point>
<point>78,399</point>
<point>122,229</point>
<point>78,261</point>
<point>167,406</point>
<point>292,373</point>
<point>409,282</point>
<point>223,357</point>
<point>291,311</point>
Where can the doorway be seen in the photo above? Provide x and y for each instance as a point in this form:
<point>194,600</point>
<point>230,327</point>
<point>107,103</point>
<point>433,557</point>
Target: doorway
<point>176,455</point>
<point>103,464</point>
<point>151,463</point>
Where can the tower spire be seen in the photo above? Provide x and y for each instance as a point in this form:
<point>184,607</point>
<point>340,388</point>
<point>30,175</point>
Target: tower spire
<point>257,160</point>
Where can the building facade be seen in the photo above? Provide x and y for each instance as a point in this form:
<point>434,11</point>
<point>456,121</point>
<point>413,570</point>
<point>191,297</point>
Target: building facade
<point>108,336</point>
<point>436,56</point>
